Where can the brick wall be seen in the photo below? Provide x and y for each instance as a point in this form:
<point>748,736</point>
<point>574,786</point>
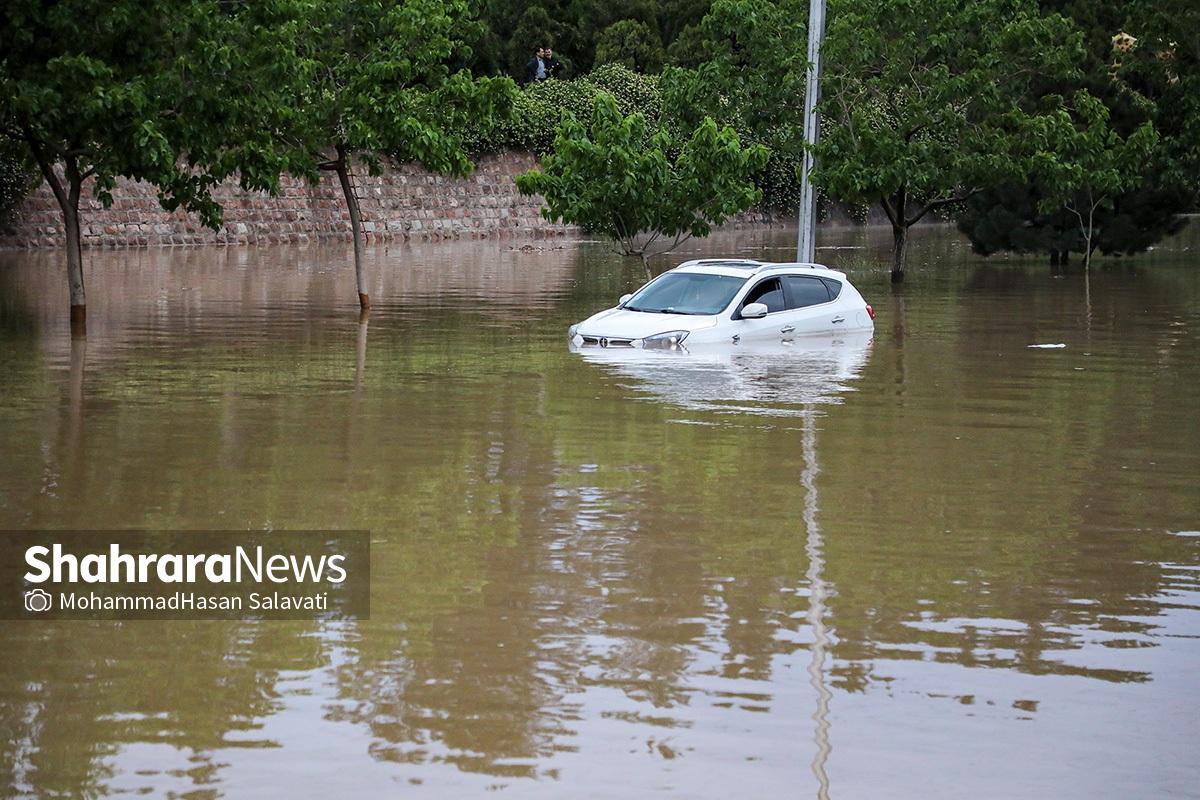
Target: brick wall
<point>404,203</point>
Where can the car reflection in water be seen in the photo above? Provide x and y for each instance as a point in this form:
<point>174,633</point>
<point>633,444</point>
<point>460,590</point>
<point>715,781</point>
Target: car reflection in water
<point>775,378</point>
<point>780,378</point>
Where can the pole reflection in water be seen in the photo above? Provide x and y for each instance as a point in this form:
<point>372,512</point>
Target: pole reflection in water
<point>818,594</point>
<point>780,379</point>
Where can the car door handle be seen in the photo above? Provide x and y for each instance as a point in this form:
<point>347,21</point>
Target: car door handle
<point>838,319</point>
<point>787,329</point>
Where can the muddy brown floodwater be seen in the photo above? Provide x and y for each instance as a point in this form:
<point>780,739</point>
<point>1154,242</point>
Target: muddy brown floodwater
<point>935,564</point>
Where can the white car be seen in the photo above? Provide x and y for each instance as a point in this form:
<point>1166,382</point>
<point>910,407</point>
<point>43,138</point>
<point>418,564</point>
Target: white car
<point>714,301</point>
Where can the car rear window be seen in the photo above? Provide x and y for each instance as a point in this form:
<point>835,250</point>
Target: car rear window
<point>804,290</point>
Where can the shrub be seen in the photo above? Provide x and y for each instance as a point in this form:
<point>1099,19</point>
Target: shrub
<point>16,182</point>
<point>620,178</point>
<point>539,107</point>
<point>634,92</point>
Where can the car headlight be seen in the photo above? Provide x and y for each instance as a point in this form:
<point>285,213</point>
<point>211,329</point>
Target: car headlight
<point>667,339</point>
<point>571,331</point>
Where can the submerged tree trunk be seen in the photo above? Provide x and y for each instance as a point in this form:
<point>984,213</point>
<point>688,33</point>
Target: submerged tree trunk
<point>75,268</point>
<point>342,166</point>
<point>895,208</point>
<point>1087,239</point>
<point>67,196</point>
<point>899,251</point>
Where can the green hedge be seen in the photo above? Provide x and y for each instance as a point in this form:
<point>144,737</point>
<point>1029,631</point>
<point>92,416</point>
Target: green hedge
<point>539,107</point>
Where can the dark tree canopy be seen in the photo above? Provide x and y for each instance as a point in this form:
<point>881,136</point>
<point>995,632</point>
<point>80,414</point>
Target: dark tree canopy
<point>632,44</point>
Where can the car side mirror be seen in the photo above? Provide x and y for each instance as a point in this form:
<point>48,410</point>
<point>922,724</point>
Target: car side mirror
<point>625,298</point>
<point>754,311</point>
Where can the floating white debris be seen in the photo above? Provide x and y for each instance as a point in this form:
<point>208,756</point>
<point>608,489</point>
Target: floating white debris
<point>1058,346</point>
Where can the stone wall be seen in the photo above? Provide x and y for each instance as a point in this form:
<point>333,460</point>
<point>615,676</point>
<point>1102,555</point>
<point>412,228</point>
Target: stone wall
<point>402,203</point>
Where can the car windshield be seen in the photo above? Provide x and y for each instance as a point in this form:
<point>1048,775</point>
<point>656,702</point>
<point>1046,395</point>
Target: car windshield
<point>686,293</point>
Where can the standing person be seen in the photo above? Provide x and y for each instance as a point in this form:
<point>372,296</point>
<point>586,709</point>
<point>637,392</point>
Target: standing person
<point>535,69</point>
<point>553,67</point>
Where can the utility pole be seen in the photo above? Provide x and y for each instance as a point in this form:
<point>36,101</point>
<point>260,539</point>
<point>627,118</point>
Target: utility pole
<point>807,238</point>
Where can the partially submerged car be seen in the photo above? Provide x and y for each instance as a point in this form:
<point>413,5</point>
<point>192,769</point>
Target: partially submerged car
<point>711,301</point>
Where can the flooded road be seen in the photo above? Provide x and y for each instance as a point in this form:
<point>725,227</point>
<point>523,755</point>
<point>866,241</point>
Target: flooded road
<point>935,563</point>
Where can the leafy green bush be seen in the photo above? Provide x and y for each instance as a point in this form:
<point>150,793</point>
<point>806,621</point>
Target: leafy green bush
<point>634,92</point>
<point>547,102</point>
<point>621,178</point>
<point>16,181</point>
<point>539,107</point>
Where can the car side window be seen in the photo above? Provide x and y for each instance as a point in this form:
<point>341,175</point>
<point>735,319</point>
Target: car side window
<point>806,291</point>
<point>835,287</point>
<point>769,293</point>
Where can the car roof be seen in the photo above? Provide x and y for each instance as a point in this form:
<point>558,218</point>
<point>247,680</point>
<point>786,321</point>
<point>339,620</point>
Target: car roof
<point>745,267</point>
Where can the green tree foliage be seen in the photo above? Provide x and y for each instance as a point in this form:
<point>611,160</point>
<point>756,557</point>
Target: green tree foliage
<point>644,189</point>
<point>1085,163</point>
<point>1160,58</point>
<point>177,94</point>
<point>379,84</point>
<point>1132,76</point>
<point>1011,218</point>
<point>677,16</point>
<point>744,64</point>
<point>927,101</point>
<point>511,32</point>
<point>632,44</point>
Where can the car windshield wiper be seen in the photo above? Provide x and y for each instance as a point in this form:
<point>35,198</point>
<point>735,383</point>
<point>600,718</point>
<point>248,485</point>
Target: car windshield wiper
<point>663,311</point>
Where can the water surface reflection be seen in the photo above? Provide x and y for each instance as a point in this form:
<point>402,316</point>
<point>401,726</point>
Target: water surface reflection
<point>874,568</point>
<point>772,378</point>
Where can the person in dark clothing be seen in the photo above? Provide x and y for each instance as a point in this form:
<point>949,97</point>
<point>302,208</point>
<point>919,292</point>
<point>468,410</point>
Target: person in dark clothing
<point>542,66</point>
<point>553,67</point>
<point>535,69</point>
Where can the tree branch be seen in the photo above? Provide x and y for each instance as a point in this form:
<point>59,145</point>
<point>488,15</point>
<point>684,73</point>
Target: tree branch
<point>945,201</point>
<point>887,209</point>
<point>47,168</point>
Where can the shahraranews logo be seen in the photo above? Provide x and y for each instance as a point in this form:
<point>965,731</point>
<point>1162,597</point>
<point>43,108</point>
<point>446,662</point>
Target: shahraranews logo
<point>221,569</point>
<point>322,575</point>
<point>236,567</point>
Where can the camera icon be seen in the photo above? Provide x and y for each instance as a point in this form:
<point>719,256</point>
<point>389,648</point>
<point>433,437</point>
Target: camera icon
<point>38,600</point>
